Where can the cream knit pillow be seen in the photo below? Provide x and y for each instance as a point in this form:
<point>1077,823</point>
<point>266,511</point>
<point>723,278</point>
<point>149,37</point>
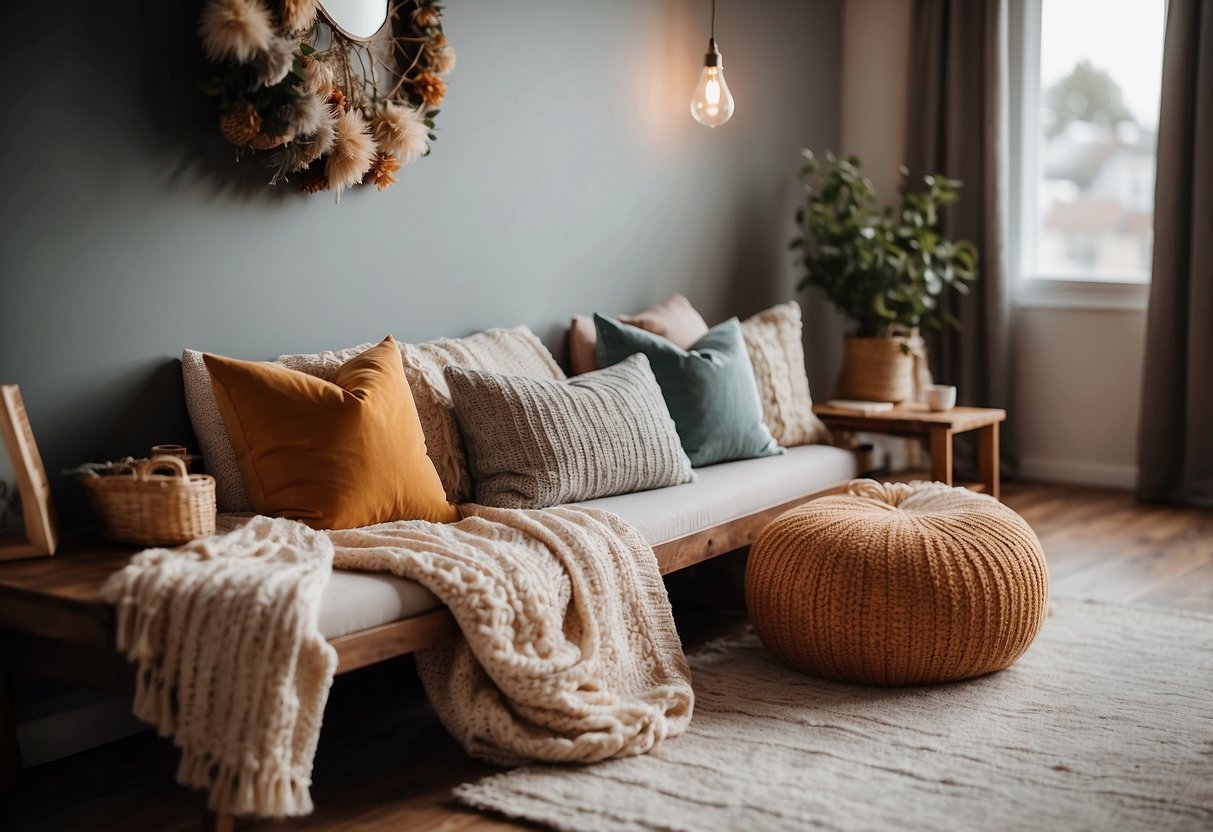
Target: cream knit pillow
<point>773,341</point>
<point>534,443</point>
<point>516,351</point>
<point>321,364</point>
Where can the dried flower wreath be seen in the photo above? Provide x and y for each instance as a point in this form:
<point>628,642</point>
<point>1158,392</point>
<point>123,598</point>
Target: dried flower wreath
<point>336,110</point>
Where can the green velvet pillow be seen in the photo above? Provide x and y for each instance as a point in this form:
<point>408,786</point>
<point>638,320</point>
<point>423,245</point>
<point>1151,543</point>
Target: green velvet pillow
<point>709,389</point>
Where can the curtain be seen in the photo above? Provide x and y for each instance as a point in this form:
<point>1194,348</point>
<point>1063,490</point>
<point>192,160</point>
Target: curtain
<point>1175,446</point>
<point>957,126</point>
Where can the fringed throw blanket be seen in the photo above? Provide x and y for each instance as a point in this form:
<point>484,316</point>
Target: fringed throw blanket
<point>569,651</point>
<point>231,663</point>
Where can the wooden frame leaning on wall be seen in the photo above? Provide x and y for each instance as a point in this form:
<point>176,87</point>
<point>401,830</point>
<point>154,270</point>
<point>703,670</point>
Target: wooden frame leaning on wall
<point>41,534</point>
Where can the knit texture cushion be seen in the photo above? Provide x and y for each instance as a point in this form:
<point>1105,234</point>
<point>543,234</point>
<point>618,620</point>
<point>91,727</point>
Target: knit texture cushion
<point>321,364</point>
<point>514,351</point>
<point>333,454</point>
<point>534,443</point>
<point>898,584</point>
<point>709,388</point>
<point>216,448</point>
<point>773,339</point>
<point>673,318</point>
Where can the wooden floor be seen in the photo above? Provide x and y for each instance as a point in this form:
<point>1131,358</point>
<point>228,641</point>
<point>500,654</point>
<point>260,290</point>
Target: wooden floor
<point>385,763</point>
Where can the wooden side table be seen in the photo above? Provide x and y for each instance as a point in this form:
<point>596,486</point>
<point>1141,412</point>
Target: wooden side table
<point>918,420</point>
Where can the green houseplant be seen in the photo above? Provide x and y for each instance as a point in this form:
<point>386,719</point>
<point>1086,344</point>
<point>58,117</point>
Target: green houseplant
<point>884,267</point>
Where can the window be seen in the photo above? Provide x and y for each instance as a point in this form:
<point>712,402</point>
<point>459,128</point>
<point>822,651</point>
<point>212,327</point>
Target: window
<point>1086,102</point>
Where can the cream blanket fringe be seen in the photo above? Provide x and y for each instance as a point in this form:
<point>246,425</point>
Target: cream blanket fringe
<point>569,651</point>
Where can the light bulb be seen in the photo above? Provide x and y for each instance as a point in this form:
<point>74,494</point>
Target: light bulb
<point>712,103</point>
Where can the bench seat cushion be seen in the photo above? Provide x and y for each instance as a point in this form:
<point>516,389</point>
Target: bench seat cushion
<point>355,601</point>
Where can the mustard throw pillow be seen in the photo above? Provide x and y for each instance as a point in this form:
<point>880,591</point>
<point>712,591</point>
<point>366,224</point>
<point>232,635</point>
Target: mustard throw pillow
<point>334,454</point>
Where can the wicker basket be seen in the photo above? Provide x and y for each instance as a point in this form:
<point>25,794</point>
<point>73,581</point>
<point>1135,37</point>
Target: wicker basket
<point>151,509</point>
<point>877,370</point>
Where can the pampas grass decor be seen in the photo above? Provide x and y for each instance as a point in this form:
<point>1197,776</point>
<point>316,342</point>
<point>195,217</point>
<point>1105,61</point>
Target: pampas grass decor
<point>235,30</point>
<point>317,77</point>
<point>302,117</point>
<point>272,65</point>
<point>426,17</point>
<point>402,132</point>
<point>322,141</point>
<point>352,155</point>
<point>291,84</point>
<point>442,59</point>
<point>298,15</point>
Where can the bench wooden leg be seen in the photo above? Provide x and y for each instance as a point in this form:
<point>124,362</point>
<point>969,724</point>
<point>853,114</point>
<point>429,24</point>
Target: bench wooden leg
<point>10,751</point>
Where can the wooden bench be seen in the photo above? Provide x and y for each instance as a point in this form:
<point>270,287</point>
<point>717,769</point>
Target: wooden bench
<point>54,625</point>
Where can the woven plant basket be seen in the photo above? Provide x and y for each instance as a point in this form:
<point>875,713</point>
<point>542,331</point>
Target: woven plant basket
<point>150,509</point>
<point>877,370</point>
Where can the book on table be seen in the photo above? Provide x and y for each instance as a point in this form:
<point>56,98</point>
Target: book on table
<point>859,406</point>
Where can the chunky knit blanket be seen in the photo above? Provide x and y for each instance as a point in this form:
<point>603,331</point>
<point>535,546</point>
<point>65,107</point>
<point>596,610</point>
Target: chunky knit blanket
<point>569,651</point>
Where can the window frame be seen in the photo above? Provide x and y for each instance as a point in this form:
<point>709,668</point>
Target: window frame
<point>1030,288</point>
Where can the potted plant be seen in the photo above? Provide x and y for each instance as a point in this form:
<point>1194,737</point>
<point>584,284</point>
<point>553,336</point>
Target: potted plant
<point>884,267</point>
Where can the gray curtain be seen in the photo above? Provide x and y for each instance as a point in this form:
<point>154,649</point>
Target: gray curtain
<point>956,124</point>
<point>1175,446</point>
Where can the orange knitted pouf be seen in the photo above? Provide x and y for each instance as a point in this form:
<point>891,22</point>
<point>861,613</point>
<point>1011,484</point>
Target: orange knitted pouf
<point>898,584</point>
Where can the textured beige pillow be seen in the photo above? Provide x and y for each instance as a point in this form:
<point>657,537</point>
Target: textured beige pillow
<point>321,364</point>
<point>773,340</point>
<point>673,319</point>
<point>230,494</point>
<point>514,351</point>
<point>534,443</point>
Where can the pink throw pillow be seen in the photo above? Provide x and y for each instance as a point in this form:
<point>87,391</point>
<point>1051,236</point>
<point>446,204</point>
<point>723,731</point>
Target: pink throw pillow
<point>673,319</point>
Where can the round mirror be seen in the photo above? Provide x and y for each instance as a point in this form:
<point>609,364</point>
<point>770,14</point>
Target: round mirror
<point>356,19</point>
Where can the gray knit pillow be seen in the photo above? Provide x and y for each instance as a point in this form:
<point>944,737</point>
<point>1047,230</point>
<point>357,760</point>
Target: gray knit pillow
<point>533,443</point>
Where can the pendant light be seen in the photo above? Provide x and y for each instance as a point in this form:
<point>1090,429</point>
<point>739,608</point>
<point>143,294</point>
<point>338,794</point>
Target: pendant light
<point>712,103</point>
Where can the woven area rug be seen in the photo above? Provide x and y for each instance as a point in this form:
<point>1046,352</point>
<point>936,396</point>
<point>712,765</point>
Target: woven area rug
<point>1106,723</point>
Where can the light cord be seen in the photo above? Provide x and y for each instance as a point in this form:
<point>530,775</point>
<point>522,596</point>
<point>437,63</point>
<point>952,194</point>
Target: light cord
<point>713,19</point>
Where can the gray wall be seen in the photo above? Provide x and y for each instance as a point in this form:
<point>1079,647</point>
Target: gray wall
<point>568,177</point>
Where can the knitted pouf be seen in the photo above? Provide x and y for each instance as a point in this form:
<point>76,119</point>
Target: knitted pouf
<point>898,584</point>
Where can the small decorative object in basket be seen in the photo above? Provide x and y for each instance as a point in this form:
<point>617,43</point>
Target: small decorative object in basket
<point>150,509</point>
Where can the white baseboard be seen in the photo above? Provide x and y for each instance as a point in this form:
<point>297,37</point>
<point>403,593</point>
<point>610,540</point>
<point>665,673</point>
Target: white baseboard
<point>1078,472</point>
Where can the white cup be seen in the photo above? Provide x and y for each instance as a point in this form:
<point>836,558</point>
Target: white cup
<point>940,397</point>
